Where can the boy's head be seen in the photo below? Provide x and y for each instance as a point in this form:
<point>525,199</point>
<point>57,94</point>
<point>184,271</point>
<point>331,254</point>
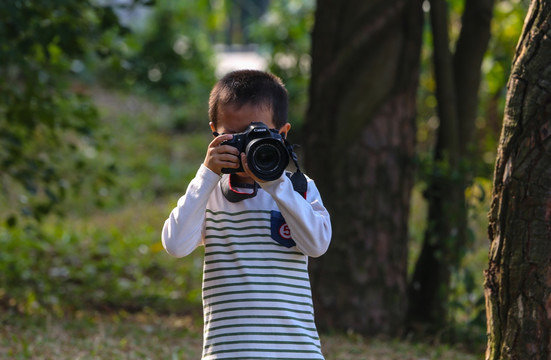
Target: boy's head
<point>252,88</point>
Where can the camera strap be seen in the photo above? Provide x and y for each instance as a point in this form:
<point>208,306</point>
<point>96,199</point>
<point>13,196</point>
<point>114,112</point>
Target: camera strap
<point>300,184</point>
<point>232,194</point>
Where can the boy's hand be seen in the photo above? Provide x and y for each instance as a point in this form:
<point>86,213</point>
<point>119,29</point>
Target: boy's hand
<point>247,170</point>
<point>221,156</point>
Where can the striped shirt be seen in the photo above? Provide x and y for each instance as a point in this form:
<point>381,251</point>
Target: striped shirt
<point>257,300</point>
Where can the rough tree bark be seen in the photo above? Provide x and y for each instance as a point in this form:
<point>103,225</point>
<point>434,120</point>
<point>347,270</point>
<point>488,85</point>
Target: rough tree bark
<point>518,278</point>
<point>359,146</point>
<point>457,81</point>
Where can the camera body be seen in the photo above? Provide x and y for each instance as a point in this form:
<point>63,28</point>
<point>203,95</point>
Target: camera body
<point>267,155</point>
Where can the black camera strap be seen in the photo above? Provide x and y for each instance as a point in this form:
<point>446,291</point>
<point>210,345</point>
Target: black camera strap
<point>300,184</point>
<point>230,191</point>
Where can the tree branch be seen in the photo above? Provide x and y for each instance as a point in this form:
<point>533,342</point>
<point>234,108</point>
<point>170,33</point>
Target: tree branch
<point>469,53</point>
<point>445,83</point>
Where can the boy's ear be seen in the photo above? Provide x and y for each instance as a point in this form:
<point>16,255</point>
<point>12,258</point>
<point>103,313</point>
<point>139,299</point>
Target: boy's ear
<point>212,127</point>
<point>285,129</point>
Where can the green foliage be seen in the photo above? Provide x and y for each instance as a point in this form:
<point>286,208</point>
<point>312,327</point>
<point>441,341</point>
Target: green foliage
<point>283,35</point>
<point>506,28</point>
<point>507,24</point>
<point>109,263</point>
<point>46,124</point>
<point>152,160</point>
<point>113,258</point>
<point>171,58</point>
<point>467,303</point>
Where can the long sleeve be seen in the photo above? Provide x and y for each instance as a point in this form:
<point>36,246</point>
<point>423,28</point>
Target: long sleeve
<point>183,230</point>
<point>308,220</point>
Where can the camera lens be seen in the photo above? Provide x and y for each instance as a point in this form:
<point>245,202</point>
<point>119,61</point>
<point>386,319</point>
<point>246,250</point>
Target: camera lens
<point>267,158</point>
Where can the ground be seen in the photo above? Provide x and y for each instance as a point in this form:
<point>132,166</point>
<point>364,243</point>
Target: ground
<point>150,336</point>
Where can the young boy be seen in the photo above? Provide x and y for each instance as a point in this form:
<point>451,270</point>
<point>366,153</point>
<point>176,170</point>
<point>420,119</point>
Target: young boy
<point>257,234</point>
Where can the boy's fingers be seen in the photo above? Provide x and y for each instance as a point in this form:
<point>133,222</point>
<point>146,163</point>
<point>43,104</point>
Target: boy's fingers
<point>227,149</point>
<point>229,158</point>
<point>222,149</point>
<point>221,156</point>
<point>220,139</point>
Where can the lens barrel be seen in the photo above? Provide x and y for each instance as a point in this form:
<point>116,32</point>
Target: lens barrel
<point>267,158</point>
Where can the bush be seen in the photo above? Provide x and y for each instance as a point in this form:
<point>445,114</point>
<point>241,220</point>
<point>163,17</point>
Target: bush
<point>114,262</point>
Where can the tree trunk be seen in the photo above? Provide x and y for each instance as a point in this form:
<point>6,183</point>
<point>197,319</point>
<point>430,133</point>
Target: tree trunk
<point>457,82</point>
<point>518,278</point>
<point>430,282</point>
<point>359,146</point>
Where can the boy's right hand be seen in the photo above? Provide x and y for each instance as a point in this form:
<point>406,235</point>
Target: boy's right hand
<point>221,156</point>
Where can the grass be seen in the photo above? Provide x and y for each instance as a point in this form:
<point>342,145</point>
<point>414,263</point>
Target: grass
<point>100,336</point>
<point>150,336</point>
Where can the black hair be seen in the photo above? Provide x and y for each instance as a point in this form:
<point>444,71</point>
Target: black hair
<point>251,87</point>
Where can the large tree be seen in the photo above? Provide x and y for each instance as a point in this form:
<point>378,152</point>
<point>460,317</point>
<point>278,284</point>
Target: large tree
<point>360,143</point>
<point>518,278</point>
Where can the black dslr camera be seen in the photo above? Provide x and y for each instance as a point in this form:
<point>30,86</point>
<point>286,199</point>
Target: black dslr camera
<point>265,149</point>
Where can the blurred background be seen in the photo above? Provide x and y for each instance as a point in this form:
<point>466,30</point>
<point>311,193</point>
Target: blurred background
<point>103,122</point>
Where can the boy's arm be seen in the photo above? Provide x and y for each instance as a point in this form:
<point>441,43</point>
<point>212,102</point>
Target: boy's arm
<point>183,230</point>
<point>307,219</point>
